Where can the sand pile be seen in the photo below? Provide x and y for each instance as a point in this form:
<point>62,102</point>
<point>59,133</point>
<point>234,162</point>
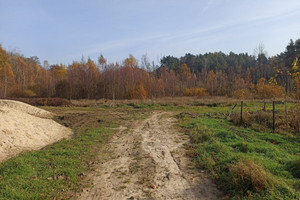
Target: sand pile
<point>24,127</point>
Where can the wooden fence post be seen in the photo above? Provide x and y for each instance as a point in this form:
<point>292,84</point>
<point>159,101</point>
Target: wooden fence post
<point>241,122</point>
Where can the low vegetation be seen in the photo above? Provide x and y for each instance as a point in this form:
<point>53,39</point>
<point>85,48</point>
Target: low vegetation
<point>248,163</point>
<point>246,160</point>
<point>287,119</point>
<point>58,170</point>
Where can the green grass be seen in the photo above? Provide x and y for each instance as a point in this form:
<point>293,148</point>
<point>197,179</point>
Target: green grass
<point>248,164</point>
<point>56,171</point>
<point>47,173</point>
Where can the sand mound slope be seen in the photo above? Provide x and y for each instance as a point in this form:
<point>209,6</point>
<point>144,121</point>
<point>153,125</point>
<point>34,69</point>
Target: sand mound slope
<point>24,127</point>
<point>26,108</point>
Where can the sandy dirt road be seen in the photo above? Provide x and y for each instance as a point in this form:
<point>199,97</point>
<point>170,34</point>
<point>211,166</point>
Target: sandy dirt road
<point>147,161</point>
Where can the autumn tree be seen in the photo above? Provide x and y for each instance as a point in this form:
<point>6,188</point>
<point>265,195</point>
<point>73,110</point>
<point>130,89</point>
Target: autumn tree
<point>212,81</point>
<point>92,79</point>
<point>6,74</point>
<point>268,90</point>
<point>58,82</point>
<point>170,81</point>
<point>296,78</point>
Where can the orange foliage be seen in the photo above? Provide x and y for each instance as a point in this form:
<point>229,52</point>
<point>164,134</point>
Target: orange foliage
<point>139,92</point>
<point>270,90</point>
<point>160,87</point>
<point>24,77</point>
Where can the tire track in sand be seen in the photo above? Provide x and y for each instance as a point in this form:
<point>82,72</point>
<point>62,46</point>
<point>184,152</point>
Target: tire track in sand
<point>149,162</point>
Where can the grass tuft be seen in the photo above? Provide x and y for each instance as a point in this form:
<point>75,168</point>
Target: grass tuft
<point>246,175</point>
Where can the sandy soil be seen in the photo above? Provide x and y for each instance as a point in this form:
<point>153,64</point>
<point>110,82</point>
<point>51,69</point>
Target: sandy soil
<point>148,162</point>
<point>24,127</point>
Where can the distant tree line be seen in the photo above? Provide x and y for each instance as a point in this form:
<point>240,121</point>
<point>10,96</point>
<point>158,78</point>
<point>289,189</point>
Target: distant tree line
<point>238,75</point>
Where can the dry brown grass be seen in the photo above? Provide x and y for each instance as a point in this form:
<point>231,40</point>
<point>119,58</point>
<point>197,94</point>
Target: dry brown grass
<point>180,101</point>
<point>161,101</point>
<point>285,122</point>
<point>245,175</point>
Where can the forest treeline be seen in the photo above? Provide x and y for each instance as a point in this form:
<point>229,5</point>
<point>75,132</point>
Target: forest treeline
<point>238,75</point>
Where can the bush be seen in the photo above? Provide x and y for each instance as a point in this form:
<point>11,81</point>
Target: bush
<point>242,94</point>
<point>199,92</point>
<point>264,90</point>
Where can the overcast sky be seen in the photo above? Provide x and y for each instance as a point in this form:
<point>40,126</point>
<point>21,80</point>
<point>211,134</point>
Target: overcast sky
<point>62,31</point>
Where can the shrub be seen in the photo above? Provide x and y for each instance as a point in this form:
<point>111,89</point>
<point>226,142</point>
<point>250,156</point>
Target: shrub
<point>199,92</point>
<point>242,94</point>
<point>264,90</point>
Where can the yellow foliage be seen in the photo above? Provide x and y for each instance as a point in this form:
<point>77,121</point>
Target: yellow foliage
<point>59,71</point>
<point>242,94</point>
<point>29,93</point>
<point>130,62</point>
<point>184,70</point>
<point>268,91</point>
<point>296,75</point>
<point>200,92</point>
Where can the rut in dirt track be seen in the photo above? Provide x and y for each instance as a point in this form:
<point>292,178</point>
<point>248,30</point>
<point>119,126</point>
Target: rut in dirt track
<point>149,162</point>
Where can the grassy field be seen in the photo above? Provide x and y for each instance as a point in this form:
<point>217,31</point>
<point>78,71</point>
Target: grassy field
<point>247,161</point>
